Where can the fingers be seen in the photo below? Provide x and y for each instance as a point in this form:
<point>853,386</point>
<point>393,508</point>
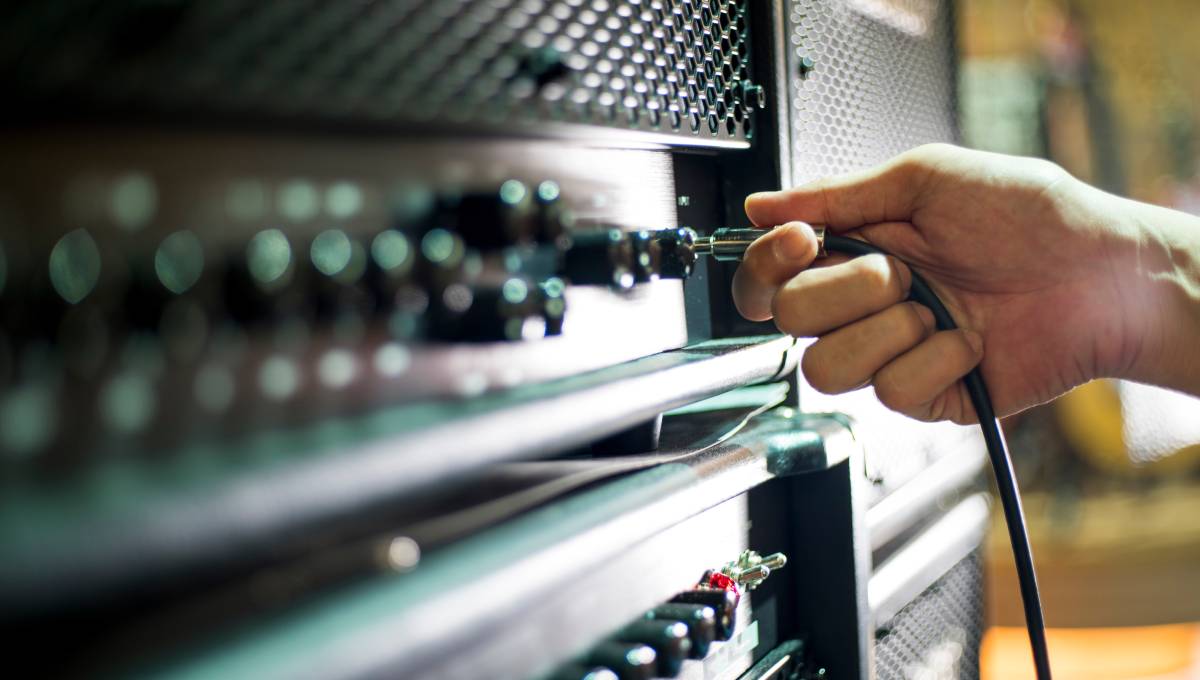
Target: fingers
<point>915,370</point>
<point>819,300</point>
<point>889,192</point>
<point>850,356</point>
<point>922,383</point>
<point>770,261</point>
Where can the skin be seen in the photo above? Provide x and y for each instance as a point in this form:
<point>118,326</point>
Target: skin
<point>1052,282</point>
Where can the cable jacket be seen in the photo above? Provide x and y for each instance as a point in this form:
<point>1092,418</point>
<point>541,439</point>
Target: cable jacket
<point>993,436</point>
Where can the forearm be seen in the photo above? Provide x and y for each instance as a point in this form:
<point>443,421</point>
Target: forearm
<point>1167,298</point>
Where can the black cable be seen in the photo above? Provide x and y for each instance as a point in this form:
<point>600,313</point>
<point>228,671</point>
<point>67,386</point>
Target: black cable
<point>1006,481</point>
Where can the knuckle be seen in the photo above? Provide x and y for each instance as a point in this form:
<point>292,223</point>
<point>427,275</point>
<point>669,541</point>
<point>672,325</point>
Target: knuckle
<point>937,408</point>
<point>883,277</point>
<point>781,311</point>
<point>964,416</point>
<point>910,163</point>
<point>915,326</point>
<point>894,395</point>
<point>748,295</point>
<point>817,370</point>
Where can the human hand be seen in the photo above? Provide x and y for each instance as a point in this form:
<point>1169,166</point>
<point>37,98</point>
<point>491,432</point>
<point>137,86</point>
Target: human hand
<point>1051,282</point>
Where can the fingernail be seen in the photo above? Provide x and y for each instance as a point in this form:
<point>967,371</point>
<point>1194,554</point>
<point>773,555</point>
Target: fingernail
<point>761,195</point>
<point>975,340</point>
<point>796,244</point>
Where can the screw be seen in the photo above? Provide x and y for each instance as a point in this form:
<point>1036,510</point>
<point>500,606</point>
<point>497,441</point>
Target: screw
<point>754,94</point>
<point>684,201</point>
<point>806,66</point>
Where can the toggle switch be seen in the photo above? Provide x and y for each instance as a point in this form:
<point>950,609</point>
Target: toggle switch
<point>628,661</point>
<point>723,602</point>
<point>668,639</point>
<point>701,621</point>
<point>750,569</point>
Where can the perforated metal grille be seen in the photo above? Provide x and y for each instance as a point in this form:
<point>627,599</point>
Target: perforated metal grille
<point>880,80</point>
<point>937,635</point>
<point>675,67</point>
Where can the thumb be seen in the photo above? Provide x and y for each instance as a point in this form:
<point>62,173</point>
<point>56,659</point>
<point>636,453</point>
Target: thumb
<point>886,193</point>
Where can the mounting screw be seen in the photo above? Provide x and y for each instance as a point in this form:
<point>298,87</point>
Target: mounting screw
<point>684,201</point>
<point>806,67</point>
<point>754,94</point>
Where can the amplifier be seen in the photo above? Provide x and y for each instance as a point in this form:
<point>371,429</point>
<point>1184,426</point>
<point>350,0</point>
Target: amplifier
<point>365,339</point>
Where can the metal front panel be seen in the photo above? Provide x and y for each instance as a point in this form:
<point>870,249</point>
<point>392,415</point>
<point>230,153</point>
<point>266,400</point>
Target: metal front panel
<point>124,333</point>
<point>938,634</point>
<point>869,79</point>
<point>675,68</point>
<point>880,79</point>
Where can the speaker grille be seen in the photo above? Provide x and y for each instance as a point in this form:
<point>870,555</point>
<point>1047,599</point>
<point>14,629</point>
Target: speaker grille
<point>880,81</point>
<point>680,68</point>
<point>937,635</point>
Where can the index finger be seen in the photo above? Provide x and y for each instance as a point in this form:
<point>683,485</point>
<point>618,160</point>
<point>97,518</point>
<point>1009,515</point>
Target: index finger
<point>775,257</point>
<point>885,193</point>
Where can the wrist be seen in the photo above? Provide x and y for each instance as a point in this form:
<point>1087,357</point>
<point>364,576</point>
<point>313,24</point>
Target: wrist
<point>1162,296</point>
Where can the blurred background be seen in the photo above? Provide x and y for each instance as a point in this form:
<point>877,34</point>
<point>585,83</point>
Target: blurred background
<point>1111,91</point>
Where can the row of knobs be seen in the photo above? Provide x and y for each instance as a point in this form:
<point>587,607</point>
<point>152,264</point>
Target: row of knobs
<point>656,645</point>
<point>461,267</point>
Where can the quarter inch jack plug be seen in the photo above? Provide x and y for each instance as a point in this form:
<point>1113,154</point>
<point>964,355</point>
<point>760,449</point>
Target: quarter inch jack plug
<point>730,243</point>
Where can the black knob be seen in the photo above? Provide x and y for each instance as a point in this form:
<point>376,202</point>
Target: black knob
<point>442,258</point>
<point>701,621</point>
<point>389,268</point>
<point>677,252</point>
<point>553,304</point>
<point>723,602</point>
<point>600,257</point>
<point>628,661</point>
<point>260,282</point>
<point>145,296</point>
<point>491,221</point>
<point>553,218</point>
<point>340,263</point>
<point>669,639</point>
<point>514,310</point>
<point>647,256</point>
